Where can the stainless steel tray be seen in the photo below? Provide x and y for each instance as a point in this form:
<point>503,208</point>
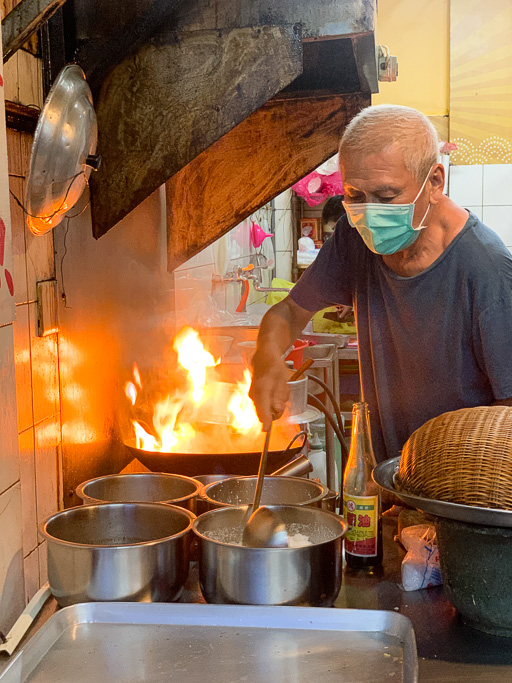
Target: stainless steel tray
<point>384,474</point>
<point>183,643</point>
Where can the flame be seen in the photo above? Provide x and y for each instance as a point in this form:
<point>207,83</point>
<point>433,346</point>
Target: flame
<point>195,359</point>
<point>131,392</point>
<point>176,414</point>
<point>242,408</point>
<point>136,376</point>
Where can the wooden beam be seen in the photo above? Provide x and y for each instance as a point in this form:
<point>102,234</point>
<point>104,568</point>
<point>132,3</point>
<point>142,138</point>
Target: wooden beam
<point>108,31</point>
<point>265,154</point>
<point>24,20</point>
<point>20,118</point>
<point>159,110</point>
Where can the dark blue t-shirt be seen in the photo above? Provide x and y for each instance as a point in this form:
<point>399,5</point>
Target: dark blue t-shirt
<point>434,342</point>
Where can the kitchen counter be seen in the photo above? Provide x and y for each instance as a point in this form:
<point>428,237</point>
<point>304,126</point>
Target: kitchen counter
<point>448,651</point>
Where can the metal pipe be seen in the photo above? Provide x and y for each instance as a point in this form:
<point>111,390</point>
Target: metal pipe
<point>258,288</point>
<point>333,401</point>
<point>314,401</point>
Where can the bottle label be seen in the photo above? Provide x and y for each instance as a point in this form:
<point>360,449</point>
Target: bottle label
<point>361,514</point>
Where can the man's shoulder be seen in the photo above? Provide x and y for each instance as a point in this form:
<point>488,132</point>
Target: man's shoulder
<point>483,258</point>
<point>482,240</point>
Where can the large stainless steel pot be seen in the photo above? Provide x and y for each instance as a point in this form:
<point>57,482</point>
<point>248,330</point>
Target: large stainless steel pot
<point>145,487</point>
<point>276,491</point>
<point>310,575</point>
<point>118,551</point>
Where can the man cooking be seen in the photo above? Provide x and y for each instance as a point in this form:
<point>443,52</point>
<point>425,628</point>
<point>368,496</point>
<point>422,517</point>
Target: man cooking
<point>431,287</point>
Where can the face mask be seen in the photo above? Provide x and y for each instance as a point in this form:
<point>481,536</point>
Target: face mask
<point>386,228</point>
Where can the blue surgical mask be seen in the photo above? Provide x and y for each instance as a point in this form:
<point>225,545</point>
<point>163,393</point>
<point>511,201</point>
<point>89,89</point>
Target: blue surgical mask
<point>386,228</point>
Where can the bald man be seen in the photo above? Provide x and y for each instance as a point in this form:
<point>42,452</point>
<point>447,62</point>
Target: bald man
<point>431,286</point>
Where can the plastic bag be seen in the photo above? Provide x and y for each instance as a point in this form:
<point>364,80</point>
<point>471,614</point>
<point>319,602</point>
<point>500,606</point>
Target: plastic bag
<point>420,567</point>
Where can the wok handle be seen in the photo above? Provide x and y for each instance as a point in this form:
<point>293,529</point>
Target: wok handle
<point>295,468</point>
<point>303,433</point>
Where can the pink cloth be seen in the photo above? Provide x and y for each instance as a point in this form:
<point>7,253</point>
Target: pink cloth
<point>316,188</point>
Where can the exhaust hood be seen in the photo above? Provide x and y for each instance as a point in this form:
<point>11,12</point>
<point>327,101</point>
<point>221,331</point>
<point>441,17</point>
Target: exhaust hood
<point>228,102</point>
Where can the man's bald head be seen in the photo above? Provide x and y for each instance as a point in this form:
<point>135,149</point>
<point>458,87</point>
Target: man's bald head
<point>378,127</point>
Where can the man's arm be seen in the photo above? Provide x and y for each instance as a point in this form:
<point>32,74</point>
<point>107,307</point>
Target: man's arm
<point>281,325</point>
<point>503,402</point>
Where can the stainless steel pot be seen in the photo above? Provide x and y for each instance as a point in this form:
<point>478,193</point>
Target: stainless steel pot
<point>276,491</point>
<point>118,551</point>
<point>296,467</point>
<point>310,575</point>
<point>143,488</point>
<point>298,397</point>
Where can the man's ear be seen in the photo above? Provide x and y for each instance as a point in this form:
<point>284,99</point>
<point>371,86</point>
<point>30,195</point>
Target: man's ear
<point>437,180</point>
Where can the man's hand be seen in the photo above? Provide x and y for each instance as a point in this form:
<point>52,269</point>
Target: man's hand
<point>269,389</point>
<point>280,326</point>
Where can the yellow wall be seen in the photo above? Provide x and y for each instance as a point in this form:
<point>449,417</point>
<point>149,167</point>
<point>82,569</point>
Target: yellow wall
<point>481,81</point>
<point>418,33</point>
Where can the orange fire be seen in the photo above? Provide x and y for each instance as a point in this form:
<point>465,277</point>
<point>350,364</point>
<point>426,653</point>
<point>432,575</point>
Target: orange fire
<point>176,416</point>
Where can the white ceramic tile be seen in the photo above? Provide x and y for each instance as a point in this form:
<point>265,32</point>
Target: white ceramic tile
<point>28,490</point>
<point>40,260</point>
<point>12,591</point>
<point>499,219</point>
<point>18,243</point>
<point>47,438</point>
<point>284,265</point>
<point>44,358</point>
<point>283,238</point>
<point>203,258</point>
<point>31,573</point>
<point>240,238</point>
<point>466,185</point>
<point>497,184</point>
<point>43,564</point>
<point>22,358</point>
<point>9,465</point>
<point>477,210</point>
<point>283,200</point>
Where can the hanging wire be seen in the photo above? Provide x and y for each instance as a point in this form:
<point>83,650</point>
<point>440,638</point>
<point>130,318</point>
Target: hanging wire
<point>66,229</point>
<point>68,218</point>
<point>58,210</point>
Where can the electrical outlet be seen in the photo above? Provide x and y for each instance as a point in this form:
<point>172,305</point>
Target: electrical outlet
<point>47,308</point>
<point>387,64</point>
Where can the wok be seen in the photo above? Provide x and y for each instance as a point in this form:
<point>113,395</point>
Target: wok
<point>193,464</point>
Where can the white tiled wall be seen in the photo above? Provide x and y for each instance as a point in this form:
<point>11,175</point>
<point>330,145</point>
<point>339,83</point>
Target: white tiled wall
<point>11,548</point>
<point>193,279</point>
<point>487,191</point>
<point>19,553</point>
<point>284,242</point>
<point>35,384</point>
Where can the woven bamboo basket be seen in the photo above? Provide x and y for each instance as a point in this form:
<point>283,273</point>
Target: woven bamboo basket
<point>464,456</point>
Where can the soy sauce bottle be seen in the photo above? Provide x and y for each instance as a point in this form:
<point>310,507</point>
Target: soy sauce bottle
<point>361,496</point>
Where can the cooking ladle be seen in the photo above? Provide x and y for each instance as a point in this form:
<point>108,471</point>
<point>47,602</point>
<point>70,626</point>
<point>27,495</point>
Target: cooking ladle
<point>264,529</point>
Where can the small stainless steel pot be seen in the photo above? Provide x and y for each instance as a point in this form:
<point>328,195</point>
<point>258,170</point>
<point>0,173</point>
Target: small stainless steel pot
<point>141,488</point>
<point>310,575</point>
<point>298,397</point>
<point>276,491</point>
<point>118,551</point>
